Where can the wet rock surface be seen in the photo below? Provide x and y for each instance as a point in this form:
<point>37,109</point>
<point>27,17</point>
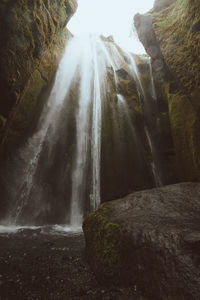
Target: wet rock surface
<point>150,239</point>
<point>41,264</point>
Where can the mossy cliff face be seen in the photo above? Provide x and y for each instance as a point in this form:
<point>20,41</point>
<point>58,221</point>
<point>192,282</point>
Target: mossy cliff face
<point>185,125</point>
<point>177,29</point>
<point>33,36</point>
<point>176,25</point>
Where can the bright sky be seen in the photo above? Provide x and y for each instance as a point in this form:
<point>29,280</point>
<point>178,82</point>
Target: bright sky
<point>109,17</point>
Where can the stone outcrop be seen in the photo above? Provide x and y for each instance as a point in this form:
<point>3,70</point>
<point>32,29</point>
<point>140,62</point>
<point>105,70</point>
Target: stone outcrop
<point>149,239</point>
<point>178,39</point>
<point>161,4</point>
<point>33,36</point>
<point>146,34</point>
<point>174,25</point>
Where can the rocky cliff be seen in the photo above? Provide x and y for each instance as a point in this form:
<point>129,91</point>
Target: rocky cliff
<point>33,35</point>
<point>175,27</point>
<point>129,116</point>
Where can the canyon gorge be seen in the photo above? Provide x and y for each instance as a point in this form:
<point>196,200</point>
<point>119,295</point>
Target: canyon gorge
<point>94,135</point>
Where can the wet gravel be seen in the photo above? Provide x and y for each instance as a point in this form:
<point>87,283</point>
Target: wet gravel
<point>45,264</point>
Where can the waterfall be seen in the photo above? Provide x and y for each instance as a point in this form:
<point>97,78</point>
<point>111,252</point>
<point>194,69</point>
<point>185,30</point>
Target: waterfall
<point>89,143</point>
<point>153,89</point>
<point>82,139</point>
<point>89,80</point>
<point>34,146</point>
<point>149,113</point>
<point>96,135</point>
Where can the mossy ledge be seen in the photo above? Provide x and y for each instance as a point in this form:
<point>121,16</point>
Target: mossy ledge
<point>103,246</point>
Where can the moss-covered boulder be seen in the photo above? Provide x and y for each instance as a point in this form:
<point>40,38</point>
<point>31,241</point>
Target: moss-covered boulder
<point>33,36</point>
<point>150,240</point>
<point>103,245</point>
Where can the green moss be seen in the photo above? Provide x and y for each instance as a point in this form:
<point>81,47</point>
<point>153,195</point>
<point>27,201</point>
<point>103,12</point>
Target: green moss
<point>128,89</point>
<point>185,125</point>
<point>2,120</point>
<point>23,116</point>
<point>33,37</point>
<point>22,119</point>
<point>33,43</point>
<point>180,45</point>
<point>102,245</point>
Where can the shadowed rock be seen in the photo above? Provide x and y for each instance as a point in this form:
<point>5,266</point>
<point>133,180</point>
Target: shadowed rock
<point>146,34</point>
<point>150,239</point>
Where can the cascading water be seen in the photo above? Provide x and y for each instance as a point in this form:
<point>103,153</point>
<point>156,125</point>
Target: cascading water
<point>88,143</point>
<point>149,104</point>
<point>90,80</point>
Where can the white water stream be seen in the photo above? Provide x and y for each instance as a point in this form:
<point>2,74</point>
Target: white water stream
<point>80,89</point>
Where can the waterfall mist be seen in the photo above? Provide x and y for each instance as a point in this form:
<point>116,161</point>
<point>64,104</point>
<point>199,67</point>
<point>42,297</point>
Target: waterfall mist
<point>91,143</point>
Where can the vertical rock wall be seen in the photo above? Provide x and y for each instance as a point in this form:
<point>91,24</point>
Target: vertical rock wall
<point>33,36</point>
<point>176,27</point>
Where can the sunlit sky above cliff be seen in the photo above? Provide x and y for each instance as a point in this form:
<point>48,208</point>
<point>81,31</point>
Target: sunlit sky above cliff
<point>110,17</point>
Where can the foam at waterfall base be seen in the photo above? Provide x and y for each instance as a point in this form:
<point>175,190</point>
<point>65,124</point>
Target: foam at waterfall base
<point>14,228</point>
<point>50,229</point>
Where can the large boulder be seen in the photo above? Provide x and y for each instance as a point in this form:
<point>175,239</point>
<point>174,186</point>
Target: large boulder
<point>149,239</point>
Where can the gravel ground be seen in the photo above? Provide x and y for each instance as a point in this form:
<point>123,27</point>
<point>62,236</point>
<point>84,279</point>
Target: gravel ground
<point>47,264</point>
